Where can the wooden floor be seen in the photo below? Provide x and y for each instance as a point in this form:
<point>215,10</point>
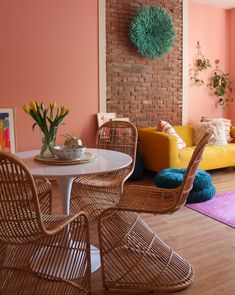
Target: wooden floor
<point>209,245</point>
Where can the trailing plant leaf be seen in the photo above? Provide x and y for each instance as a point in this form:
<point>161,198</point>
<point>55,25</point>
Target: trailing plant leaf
<point>221,86</point>
<point>200,65</point>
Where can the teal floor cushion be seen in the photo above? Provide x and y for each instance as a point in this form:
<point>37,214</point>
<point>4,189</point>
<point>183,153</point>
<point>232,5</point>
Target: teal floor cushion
<point>203,189</point>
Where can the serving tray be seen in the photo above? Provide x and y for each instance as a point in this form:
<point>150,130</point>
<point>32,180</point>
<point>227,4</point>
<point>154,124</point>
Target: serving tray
<point>85,158</point>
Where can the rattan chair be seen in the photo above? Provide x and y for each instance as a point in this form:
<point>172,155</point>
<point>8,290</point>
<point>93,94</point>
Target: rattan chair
<point>44,192</point>
<point>39,253</point>
<point>94,193</point>
<point>132,255</point>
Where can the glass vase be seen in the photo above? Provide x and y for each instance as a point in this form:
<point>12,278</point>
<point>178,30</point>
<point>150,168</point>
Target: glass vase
<point>48,142</point>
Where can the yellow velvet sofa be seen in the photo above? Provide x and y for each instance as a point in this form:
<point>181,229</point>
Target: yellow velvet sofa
<point>159,150</point>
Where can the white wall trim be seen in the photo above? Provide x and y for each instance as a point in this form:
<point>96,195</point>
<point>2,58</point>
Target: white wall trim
<point>102,57</point>
<point>185,64</point>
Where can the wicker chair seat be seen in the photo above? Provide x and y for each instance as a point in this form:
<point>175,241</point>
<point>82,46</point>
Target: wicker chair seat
<point>94,203</point>
<point>101,180</point>
<point>150,199</point>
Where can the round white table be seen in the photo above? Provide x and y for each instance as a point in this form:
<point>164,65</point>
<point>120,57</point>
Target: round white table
<point>106,161</point>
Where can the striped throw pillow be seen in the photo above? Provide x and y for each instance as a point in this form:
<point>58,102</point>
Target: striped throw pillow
<point>166,127</point>
<point>227,123</point>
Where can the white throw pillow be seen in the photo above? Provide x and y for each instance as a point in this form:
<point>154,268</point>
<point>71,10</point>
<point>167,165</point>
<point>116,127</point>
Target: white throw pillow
<point>216,128</point>
<point>227,123</point>
<point>166,127</point>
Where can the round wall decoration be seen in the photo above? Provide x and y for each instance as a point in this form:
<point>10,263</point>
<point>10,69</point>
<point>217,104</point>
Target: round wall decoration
<point>152,31</point>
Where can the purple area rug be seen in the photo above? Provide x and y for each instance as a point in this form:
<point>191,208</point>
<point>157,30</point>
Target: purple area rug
<point>221,208</point>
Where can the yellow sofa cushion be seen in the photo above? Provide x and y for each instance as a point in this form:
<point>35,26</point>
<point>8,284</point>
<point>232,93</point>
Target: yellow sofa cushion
<point>213,156</point>
<point>159,150</point>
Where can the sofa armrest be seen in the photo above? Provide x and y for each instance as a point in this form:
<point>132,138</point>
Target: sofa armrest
<point>232,133</point>
<point>159,150</point>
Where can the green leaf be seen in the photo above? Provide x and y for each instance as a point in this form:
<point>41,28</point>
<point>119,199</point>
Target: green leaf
<point>34,125</point>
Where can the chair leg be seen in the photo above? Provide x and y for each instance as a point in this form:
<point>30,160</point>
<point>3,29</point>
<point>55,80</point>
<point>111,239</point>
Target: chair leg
<point>136,258</point>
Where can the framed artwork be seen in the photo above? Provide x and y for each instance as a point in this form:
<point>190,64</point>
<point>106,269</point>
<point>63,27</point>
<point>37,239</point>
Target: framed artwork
<point>7,130</point>
<point>105,117</point>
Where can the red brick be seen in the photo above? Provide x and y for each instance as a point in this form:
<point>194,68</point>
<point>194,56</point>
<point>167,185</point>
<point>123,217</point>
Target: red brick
<point>140,88</point>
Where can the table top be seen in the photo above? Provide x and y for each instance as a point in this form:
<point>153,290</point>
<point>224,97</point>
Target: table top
<point>106,161</point>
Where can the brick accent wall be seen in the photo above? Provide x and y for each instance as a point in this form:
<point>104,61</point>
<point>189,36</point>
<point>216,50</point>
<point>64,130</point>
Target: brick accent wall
<point>140,88</point>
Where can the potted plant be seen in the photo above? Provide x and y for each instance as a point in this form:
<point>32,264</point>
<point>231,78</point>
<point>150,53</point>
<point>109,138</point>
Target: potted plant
<point>221,86</point>
<point>47,119</point>
<point>72,139</point>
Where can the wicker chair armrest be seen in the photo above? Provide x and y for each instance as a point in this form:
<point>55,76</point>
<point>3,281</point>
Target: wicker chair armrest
<point>55,223</point>
<point>232,133</point>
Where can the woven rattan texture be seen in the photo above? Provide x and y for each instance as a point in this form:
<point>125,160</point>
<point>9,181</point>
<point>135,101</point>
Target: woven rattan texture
<point>132,256</point>
<point>39,253</point>
<point>94,193</point>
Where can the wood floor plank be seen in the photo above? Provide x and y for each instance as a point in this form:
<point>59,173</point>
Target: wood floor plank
<point>208,244</point>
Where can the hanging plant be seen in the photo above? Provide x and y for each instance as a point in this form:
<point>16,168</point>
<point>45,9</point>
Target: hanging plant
<point>200,64</point>
<point>152,32</point>
<point>221,85</point>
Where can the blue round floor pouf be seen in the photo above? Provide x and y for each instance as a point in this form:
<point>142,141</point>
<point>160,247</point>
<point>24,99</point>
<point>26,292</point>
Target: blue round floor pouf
<point>201,195</point>
<point>202,190</point>
<point>169,178</point>
<point>172,178</point>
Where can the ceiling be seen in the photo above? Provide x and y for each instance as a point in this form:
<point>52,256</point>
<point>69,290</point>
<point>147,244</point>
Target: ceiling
<point>226,4</point>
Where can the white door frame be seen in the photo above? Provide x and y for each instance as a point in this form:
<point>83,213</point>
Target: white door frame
<point>185,65</point>
<point>102,57</point>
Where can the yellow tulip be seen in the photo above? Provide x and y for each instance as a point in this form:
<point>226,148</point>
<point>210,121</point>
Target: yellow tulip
<point>62,111</point>
<point>66,111</point>
<point>26,108</point>
<point>33,106</point>
<point>53,105</point>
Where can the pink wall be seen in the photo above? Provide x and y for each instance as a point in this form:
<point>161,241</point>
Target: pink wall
<point>49,52</point>
<point>231,36</point>
<point>208,25</point>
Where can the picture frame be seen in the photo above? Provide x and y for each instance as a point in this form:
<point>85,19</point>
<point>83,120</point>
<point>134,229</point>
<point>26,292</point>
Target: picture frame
<point>105,117</point>
<point>7,130</point>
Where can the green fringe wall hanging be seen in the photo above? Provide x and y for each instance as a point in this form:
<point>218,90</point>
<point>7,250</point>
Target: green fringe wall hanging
<point>152,31</point>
